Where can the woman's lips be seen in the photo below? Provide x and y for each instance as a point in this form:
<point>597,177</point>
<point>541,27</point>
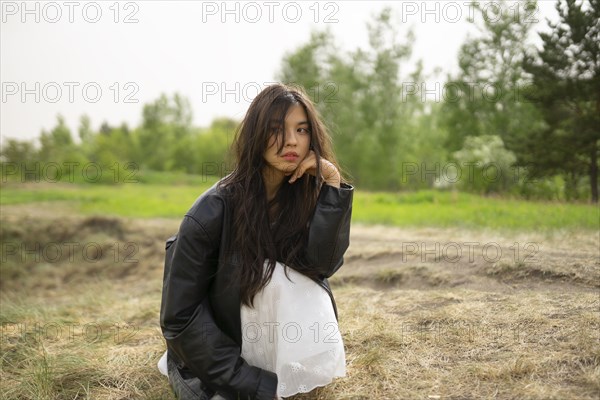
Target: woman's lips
<point>290,157</point>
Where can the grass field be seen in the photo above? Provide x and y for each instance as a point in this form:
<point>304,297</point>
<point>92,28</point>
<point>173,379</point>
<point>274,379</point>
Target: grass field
<point>81,280</point>
<point>424,208</point>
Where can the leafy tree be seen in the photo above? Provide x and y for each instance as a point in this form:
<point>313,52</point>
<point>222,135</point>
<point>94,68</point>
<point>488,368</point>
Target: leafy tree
<point>362,98</point>
<point>15,157</point>
<point>57,146</point>
<point>112,149</point>
<point>15,151</point>
<point>85,129</point>
<point>484,164</point>
<point>425,157</point>
<point>165,123</point>
<point>565,85</point>
<point>212,145</point>
<point>306,66</point>
<point>484,98</point>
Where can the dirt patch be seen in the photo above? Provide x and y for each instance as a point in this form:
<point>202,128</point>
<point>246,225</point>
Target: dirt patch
<point>71,249</point>
<point>386,258</point>
<point>57,253</point>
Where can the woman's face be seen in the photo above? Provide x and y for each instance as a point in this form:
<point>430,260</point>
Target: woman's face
<point>296,141</point>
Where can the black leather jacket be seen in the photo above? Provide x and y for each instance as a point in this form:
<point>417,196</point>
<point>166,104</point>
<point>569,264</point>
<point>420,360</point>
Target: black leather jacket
<point>200,308</point>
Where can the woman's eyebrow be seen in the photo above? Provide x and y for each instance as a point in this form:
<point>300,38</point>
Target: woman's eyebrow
<point>302,123</point>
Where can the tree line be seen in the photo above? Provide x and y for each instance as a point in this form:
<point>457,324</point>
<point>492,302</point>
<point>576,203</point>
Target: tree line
<point>515,120</point>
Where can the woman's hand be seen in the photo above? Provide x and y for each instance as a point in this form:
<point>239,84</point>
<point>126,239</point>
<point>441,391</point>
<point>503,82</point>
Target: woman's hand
<point>331,175</point>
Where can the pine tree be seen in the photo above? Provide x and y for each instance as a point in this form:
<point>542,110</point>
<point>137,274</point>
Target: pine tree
<point>565,86</point>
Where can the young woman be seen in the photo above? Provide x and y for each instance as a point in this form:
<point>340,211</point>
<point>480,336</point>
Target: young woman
<point>247,311</point>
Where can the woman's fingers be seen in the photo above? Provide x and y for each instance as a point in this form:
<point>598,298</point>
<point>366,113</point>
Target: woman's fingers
<point>309,165</point>
<point>297,173</point>
<point>305,166</point>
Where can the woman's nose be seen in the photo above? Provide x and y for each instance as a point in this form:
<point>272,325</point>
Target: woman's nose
<point>290,137</point>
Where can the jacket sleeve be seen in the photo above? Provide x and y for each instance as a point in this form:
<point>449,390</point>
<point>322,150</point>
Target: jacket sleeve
<point>187,322</point>
<point>329,230</point>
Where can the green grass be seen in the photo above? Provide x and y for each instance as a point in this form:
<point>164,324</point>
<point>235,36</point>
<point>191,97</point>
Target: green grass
<point>172,195</point>
<point>128,200</point>
<point>446,209</point>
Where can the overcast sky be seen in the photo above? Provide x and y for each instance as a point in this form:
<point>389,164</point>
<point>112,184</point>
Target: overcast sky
<point>107,59</point>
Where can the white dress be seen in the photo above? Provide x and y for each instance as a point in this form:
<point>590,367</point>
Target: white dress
<point>292,331</point>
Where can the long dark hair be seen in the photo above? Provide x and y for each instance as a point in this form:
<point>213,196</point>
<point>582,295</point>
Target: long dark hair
<point>253,238</point>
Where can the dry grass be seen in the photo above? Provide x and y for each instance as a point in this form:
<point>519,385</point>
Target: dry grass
<point>413,328</point>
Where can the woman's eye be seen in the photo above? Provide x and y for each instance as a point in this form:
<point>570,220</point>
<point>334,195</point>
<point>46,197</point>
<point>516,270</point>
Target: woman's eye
<point>303,130</point>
